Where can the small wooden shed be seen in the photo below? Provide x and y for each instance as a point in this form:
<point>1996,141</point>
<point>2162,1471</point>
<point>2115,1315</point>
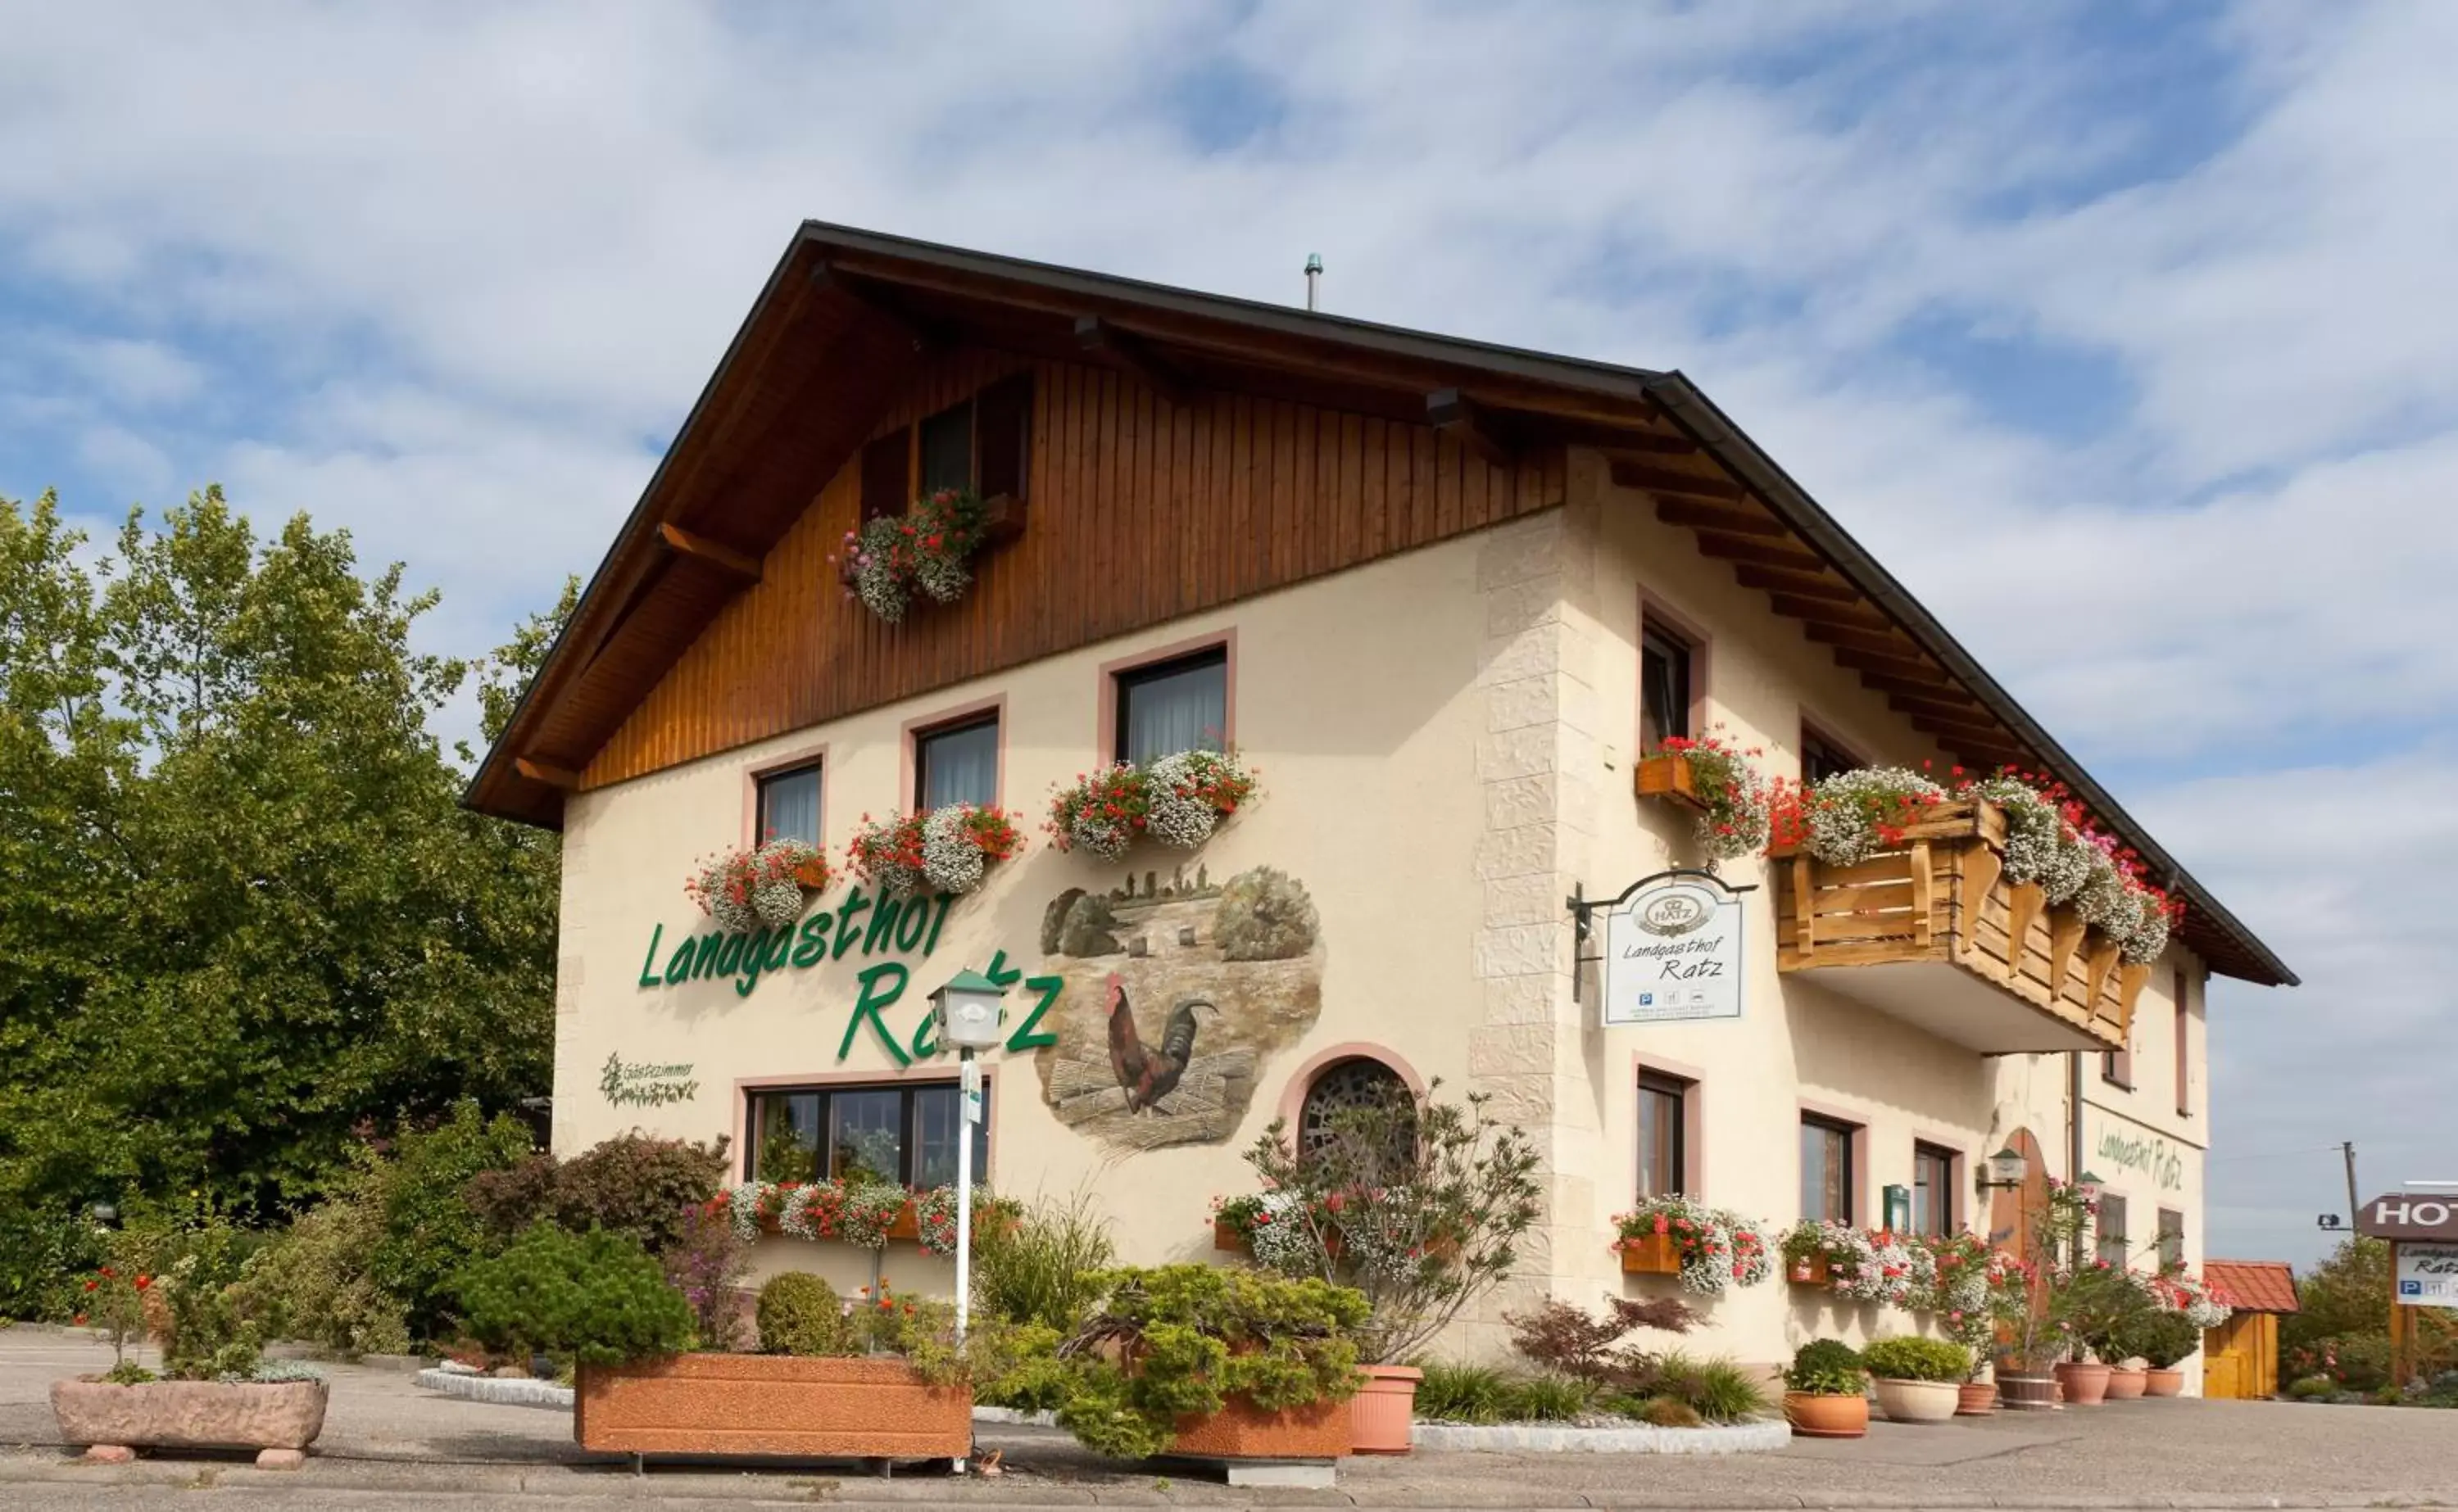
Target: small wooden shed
<point>2240,1356</point>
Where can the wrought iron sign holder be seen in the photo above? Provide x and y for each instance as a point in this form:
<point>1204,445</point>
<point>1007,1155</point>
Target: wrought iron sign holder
<point>1583,911</point>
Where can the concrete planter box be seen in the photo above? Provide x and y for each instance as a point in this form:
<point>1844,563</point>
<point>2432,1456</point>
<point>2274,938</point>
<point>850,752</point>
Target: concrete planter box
<point>1917,1401</point>
<point>279,1418</point>
<point>771,1405</point>
<point>1243,1431</point>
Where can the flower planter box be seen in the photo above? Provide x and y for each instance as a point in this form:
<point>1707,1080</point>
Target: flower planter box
<point>905,1226</point>
<point>771,1405</point>
<point>1243,1431</point>
<point>1917,1401</point>
<point>1667,777</point>
<point>281,1418</point>
<point>1651,1255</point>
<point>1815,1415</point>
<point>1384,1412</point>
<point>1230,1239</point>
<point>2163,1384</point>
<point>1812,1271</point>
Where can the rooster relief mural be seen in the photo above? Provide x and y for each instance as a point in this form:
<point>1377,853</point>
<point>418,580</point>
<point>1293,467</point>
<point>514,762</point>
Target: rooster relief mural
<point>1178,990</point>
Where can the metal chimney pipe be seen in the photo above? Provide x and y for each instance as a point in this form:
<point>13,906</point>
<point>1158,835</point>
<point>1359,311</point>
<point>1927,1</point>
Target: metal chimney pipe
<point>1314,276</point>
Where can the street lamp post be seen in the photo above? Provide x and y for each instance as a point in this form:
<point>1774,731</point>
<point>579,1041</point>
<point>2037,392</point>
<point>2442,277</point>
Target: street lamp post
<point>970,1014</point>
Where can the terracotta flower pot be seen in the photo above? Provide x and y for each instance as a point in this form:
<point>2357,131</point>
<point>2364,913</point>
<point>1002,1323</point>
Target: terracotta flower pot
<point>771,1405</point>
<point>1813,1415</point>
<point>2027,1393</point>
<point>1916,1401</point>
<point>2085,1382</point>
<point>2163,1384</point>
<point>1975,1399</point>
<point>2125,1385</point>
<point>1384,1409</point>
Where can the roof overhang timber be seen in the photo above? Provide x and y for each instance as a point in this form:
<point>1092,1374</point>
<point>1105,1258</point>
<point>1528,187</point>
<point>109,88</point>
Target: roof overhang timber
<point>849,317</point>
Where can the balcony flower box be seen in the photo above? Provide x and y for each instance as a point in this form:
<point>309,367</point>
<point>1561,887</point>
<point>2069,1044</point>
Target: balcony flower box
<point>1668,777</point>
<point>771,1405</point>
<point>1809,1270</point>
<point>1649,1254</point>
<point>278,1418</point>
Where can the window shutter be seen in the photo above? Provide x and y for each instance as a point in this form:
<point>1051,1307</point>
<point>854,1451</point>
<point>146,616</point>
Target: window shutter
<point>885,487</point>
<point>1003,420</point>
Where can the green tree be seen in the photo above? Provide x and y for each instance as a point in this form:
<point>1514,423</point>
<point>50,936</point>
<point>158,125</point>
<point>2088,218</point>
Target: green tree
<point>242,914</point>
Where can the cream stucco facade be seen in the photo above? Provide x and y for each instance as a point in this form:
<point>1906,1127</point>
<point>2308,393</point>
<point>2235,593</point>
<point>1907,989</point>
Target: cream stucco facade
<point>1446,741</point>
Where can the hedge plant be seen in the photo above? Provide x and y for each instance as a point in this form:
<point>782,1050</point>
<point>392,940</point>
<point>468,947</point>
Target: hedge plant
<point>596,1298</point>
<point>1926,1359</point>
<point>1826,1367</point>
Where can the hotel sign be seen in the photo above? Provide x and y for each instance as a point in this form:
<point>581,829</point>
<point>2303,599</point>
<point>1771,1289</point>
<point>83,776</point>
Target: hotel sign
<point>1673,950</point>
<point>2405,1215</point>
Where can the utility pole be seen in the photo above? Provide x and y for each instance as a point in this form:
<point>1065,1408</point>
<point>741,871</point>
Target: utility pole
<point>2348,1149</point>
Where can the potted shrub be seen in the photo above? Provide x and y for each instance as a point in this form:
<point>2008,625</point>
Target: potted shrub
<point>1416,1204</point>
<point>1219,1363</point>
<point>2165,1339</point>
<point>765,886</point>
<point>1825,1392</point>
<point>215,1392</point>
<point>1917,1380</point>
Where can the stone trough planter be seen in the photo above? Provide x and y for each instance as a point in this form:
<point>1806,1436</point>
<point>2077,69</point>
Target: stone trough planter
<point>771,1405</point>
<point>276,1419</point>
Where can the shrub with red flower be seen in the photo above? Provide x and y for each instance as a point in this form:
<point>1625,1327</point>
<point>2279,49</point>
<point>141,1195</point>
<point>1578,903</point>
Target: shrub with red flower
<point>1734,821</point>
<point>743,889</point>
<point>1178,799</point>
<point>927,547</point>
<point>1718,1250</point>
<point>948,850</point>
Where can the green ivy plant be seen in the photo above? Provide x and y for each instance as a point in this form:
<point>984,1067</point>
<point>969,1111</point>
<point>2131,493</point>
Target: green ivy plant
<point>1182,1341</point>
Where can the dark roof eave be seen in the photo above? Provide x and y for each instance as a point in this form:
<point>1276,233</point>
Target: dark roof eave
<point>1707,424</point>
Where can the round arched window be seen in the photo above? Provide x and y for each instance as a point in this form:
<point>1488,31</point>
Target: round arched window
<point>1367,1091</point>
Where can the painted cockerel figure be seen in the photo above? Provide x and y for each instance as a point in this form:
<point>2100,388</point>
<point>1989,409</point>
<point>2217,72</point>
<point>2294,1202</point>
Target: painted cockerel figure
<point>1151,1075</point>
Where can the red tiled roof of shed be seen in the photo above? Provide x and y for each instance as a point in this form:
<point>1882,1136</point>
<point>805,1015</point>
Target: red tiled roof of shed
<point>2253,1286</point>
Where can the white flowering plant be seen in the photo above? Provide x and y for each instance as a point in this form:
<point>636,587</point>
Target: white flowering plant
<point>2049,841</point>
<point>1717,1249</point>
<point>1845,819</point>
<point>768,884</point>
<point>2177,1289</point>
<point>1178,799</point>
<point>949,850</point>
<point>928,548</point>
<point>1732,819</point>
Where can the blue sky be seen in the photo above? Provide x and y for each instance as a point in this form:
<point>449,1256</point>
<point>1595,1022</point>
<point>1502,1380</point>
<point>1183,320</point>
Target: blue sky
<point>2120,332</point>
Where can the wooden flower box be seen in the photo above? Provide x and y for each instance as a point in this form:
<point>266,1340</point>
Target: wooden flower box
<point>1228,1238</point>
<point>1812,1271</point>
<point>771,1405</point>
<point>1667,777</point>
<point>1651,1255</point>
<point>906,1225</point>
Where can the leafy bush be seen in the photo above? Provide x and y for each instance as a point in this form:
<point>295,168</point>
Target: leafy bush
<point>635,1184</point>
<point>2162,1338</point>
<point>42,1251</point>
<point>597,1298</point>
<point>315,1282</point>
<point>1930,1360</point>
<point>1463,1393</point>
<point>1547,1399</point>
<point>1046,1268</point>
<point>208,1338</point>
<point>704,1264</point>
<point>1427,1200</point>
<point>800,1314</point>
<point>1826,1367</point>
<point>429,1233</point>
<point>1716,1389</point>
<point>1180,1339</point>
<point>1670,1412</point>
<point>1035,1379</point>
<point>2312,1388</point>
<point>1559,1338</point>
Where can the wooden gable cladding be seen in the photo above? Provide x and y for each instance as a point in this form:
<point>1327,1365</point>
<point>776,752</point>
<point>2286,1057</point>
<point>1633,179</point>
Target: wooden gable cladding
<point>1141,510</point>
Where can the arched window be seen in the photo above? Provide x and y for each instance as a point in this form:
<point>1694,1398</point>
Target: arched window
<point>1365,1088</point>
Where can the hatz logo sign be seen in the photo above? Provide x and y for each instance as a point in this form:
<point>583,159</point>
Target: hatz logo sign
<point>1673,951</point>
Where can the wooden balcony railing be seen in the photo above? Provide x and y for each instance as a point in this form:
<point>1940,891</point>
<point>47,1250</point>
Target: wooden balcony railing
<point>1931,932</point>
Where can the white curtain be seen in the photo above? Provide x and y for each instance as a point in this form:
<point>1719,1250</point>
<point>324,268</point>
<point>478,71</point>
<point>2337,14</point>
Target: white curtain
<point>1175,711</point>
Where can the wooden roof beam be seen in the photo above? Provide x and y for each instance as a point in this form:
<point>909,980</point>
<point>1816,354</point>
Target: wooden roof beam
<point>1946,694</point>
<point>1826,611</point>
<point>1129,353</point>
<point>548,772</point>
<point>1453,414</point>
<point>1763,554</point>
<point>1981,733</point>
<point>1873,642</point>
<point>740,566</point>
<point>1720,517</point>
<point>1938,704</point>
<point>926,336</point>
<point>1669,480</point>
<point>1800,585</point>
<point>1893,663</point>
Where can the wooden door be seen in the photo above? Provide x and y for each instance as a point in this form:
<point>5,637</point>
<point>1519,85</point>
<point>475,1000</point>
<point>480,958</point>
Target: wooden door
<point>2232,1359</point>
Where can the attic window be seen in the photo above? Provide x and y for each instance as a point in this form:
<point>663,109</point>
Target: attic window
<point>947,451</point>
<point>981,444</point>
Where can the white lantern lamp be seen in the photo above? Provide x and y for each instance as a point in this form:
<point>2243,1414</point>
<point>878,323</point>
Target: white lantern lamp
<point>972,1012</point>
<point>2004,1169</point>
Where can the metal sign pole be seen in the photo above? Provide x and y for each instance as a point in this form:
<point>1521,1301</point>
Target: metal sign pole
<point>969,1097</point>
